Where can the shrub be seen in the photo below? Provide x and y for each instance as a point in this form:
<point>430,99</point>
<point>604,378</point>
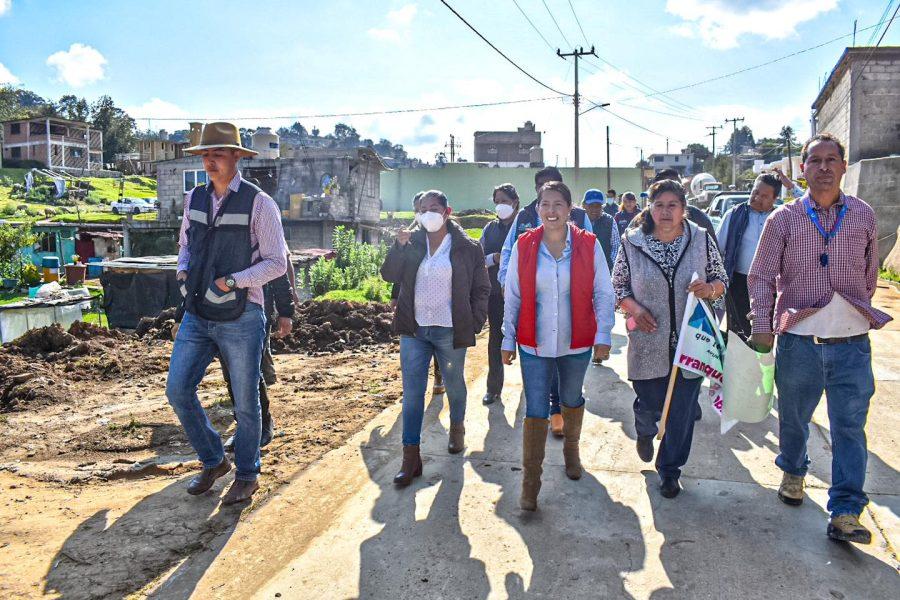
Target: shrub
<point>355,265</point>
<point>31,275</point>
<point>376,289</point>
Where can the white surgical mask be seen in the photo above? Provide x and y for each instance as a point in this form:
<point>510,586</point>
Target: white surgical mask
<point>431,221</point>
<point>504,211</point>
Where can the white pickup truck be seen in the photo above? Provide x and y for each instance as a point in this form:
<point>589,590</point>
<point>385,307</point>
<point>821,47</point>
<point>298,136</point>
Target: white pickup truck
<point>132,206</point>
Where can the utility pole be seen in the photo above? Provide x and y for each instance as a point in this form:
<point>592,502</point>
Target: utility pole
<point>667,145</point>
<point>713,134</point>
<point>734,122</point>
<point>608,175</point>
<point>577,53</point>
<point>453,146</point>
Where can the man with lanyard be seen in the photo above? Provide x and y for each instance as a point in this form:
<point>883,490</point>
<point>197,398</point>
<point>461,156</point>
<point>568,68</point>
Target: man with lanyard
<point>811,283</point>
<point>528,219</point>
<point>739,233</point>
<point>231,245</point>
<point>506,205</point>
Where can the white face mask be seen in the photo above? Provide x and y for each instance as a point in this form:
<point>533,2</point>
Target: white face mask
<point>431,221</point>
<point>504,211</point>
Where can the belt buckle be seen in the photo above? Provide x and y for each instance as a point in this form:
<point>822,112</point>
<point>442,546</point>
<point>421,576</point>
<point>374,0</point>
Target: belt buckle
<point>820,341</point>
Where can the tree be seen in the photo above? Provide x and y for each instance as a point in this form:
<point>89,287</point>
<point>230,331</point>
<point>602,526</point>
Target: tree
<point>744,139</point>
<point>787,136</point>
<point>346,136</point>
<point>18,103</point>
<point>12,241</point>
<point>73,108</point>
<point>117,127</point>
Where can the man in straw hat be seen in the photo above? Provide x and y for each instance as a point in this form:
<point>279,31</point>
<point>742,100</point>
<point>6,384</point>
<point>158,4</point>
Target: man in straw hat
<point>231,244</point>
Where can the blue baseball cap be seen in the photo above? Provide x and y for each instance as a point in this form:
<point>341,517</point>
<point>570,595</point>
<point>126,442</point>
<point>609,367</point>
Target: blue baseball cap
<point>645,195</point>
<point>594,196</point>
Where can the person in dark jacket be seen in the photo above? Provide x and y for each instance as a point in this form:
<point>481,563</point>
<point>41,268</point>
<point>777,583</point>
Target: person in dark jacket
<point>739,233</point>
<point>506,204</point>
<point>611,206</point>
<point>444,290</point>
<point>628,210</point>
<point>603,225</point>
<point>438,387</point>
<point>278,297</point>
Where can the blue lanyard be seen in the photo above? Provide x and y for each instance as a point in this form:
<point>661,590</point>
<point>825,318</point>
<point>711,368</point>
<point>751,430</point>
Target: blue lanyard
<point>814,217</point>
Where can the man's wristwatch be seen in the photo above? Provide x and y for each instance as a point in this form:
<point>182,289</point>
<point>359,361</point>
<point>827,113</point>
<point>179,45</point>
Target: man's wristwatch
<point>230,282</point>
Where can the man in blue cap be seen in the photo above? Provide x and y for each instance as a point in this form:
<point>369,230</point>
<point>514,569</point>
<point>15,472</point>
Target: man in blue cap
<point>603,225</point>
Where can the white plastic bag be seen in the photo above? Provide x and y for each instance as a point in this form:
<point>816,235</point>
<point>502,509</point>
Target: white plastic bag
<point>748,388</point>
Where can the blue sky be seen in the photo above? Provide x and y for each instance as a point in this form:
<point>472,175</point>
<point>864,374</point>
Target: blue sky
<point>166,58</point>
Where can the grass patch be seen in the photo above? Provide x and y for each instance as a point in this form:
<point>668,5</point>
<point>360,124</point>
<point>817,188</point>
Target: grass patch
<point>475,233</point>
<point>129,428</point>
<point>95,318</point>
<point>104,190</point>
<point>100,217</point>
<point>889,275</point>
<point>11,296</point>
<point>399,214</point>
<point>340,295</point>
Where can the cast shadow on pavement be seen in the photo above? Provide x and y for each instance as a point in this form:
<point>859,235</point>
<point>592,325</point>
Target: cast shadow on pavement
<point>103,560</point>
<point>581,543</point>
<point>412,558</point>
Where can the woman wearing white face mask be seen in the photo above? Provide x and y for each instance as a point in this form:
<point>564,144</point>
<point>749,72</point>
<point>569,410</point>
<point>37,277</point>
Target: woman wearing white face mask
<point>444,291</point>
<point>506,205</point>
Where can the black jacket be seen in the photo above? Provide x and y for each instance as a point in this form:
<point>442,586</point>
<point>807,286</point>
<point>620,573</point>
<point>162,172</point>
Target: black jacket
<point>470,287</point>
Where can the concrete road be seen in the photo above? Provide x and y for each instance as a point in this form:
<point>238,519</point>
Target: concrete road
<point>341,530</point>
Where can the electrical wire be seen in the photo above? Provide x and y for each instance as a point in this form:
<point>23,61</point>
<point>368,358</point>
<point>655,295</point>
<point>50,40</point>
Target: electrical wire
<point>357,114</point>
<point>500,52</point>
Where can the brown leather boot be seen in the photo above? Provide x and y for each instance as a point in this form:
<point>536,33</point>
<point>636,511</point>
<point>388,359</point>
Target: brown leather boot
<point>572,418</point>
<point>534,439</point>
<point>556,425</point>
<point>457,441</point>
<point>411,467</point>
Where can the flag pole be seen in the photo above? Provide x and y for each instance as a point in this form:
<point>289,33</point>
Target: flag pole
<point>665,411</point>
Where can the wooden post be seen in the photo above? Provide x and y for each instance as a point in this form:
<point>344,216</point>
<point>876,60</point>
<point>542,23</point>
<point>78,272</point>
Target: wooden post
<point>665,411</point>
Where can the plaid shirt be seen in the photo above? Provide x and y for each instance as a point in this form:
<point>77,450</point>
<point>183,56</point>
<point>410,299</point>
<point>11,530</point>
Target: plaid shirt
<point>787,262</point>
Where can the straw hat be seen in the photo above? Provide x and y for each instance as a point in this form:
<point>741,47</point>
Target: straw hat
<point>220,135</point>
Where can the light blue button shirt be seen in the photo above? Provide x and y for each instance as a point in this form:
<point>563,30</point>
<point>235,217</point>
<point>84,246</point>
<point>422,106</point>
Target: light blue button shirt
<point>511,238</point>
<point>554,304</point>
<point>749,242</point>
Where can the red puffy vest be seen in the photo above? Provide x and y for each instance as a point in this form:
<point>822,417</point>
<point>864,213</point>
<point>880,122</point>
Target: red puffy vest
<point>581,277</point>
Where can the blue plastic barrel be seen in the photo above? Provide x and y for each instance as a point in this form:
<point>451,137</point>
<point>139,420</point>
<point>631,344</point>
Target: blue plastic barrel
<point>50,262</point>
<point>94,269</point>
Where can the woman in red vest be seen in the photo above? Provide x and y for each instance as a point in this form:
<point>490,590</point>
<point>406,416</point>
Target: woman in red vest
<point>559,305</point>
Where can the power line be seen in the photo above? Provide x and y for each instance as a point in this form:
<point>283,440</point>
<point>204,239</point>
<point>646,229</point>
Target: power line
<point>753,67</point>
<point>357,114</point>
<point>632,123</point>
<point>659,112</point>
<point>868,57</point>
<point>884,14</point>
<point>538,31</point>
<point>549,12</point>
<point>577,20</point>
<point>500,52</point>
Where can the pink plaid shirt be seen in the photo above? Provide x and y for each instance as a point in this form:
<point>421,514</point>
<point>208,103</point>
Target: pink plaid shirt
<point>787,279</point>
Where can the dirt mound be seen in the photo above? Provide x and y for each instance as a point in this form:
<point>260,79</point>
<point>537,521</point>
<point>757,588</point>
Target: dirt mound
<point>158,327</point>
<point>334,326</point>
<point>43,340</point>
<point>87,331</point>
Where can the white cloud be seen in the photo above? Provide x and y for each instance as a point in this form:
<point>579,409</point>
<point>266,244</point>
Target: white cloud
<point>5,6</point>
<point>78,66</point>
<point>156,108</point>
<point>7,78</point>
<point>720,23</point>
<point>398,25</point>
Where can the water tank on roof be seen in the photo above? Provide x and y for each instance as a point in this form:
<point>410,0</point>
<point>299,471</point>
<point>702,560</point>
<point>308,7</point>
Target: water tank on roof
<point>699,181</point>
<point>265,142</point>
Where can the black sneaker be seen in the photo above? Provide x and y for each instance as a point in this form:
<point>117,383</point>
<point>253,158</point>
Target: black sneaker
<point>669,487</point>
<point>645,447</point>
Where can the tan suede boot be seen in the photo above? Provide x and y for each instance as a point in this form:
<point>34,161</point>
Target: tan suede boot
<point>534,439</point>
<point>572,433</point>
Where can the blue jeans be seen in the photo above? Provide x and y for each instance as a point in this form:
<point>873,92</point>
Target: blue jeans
<point>554,393</point>
<point>538,373</point>
<point>803,370</point>
<point>415,358</point>
<point>676,443</point>
<point>239,343</point>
